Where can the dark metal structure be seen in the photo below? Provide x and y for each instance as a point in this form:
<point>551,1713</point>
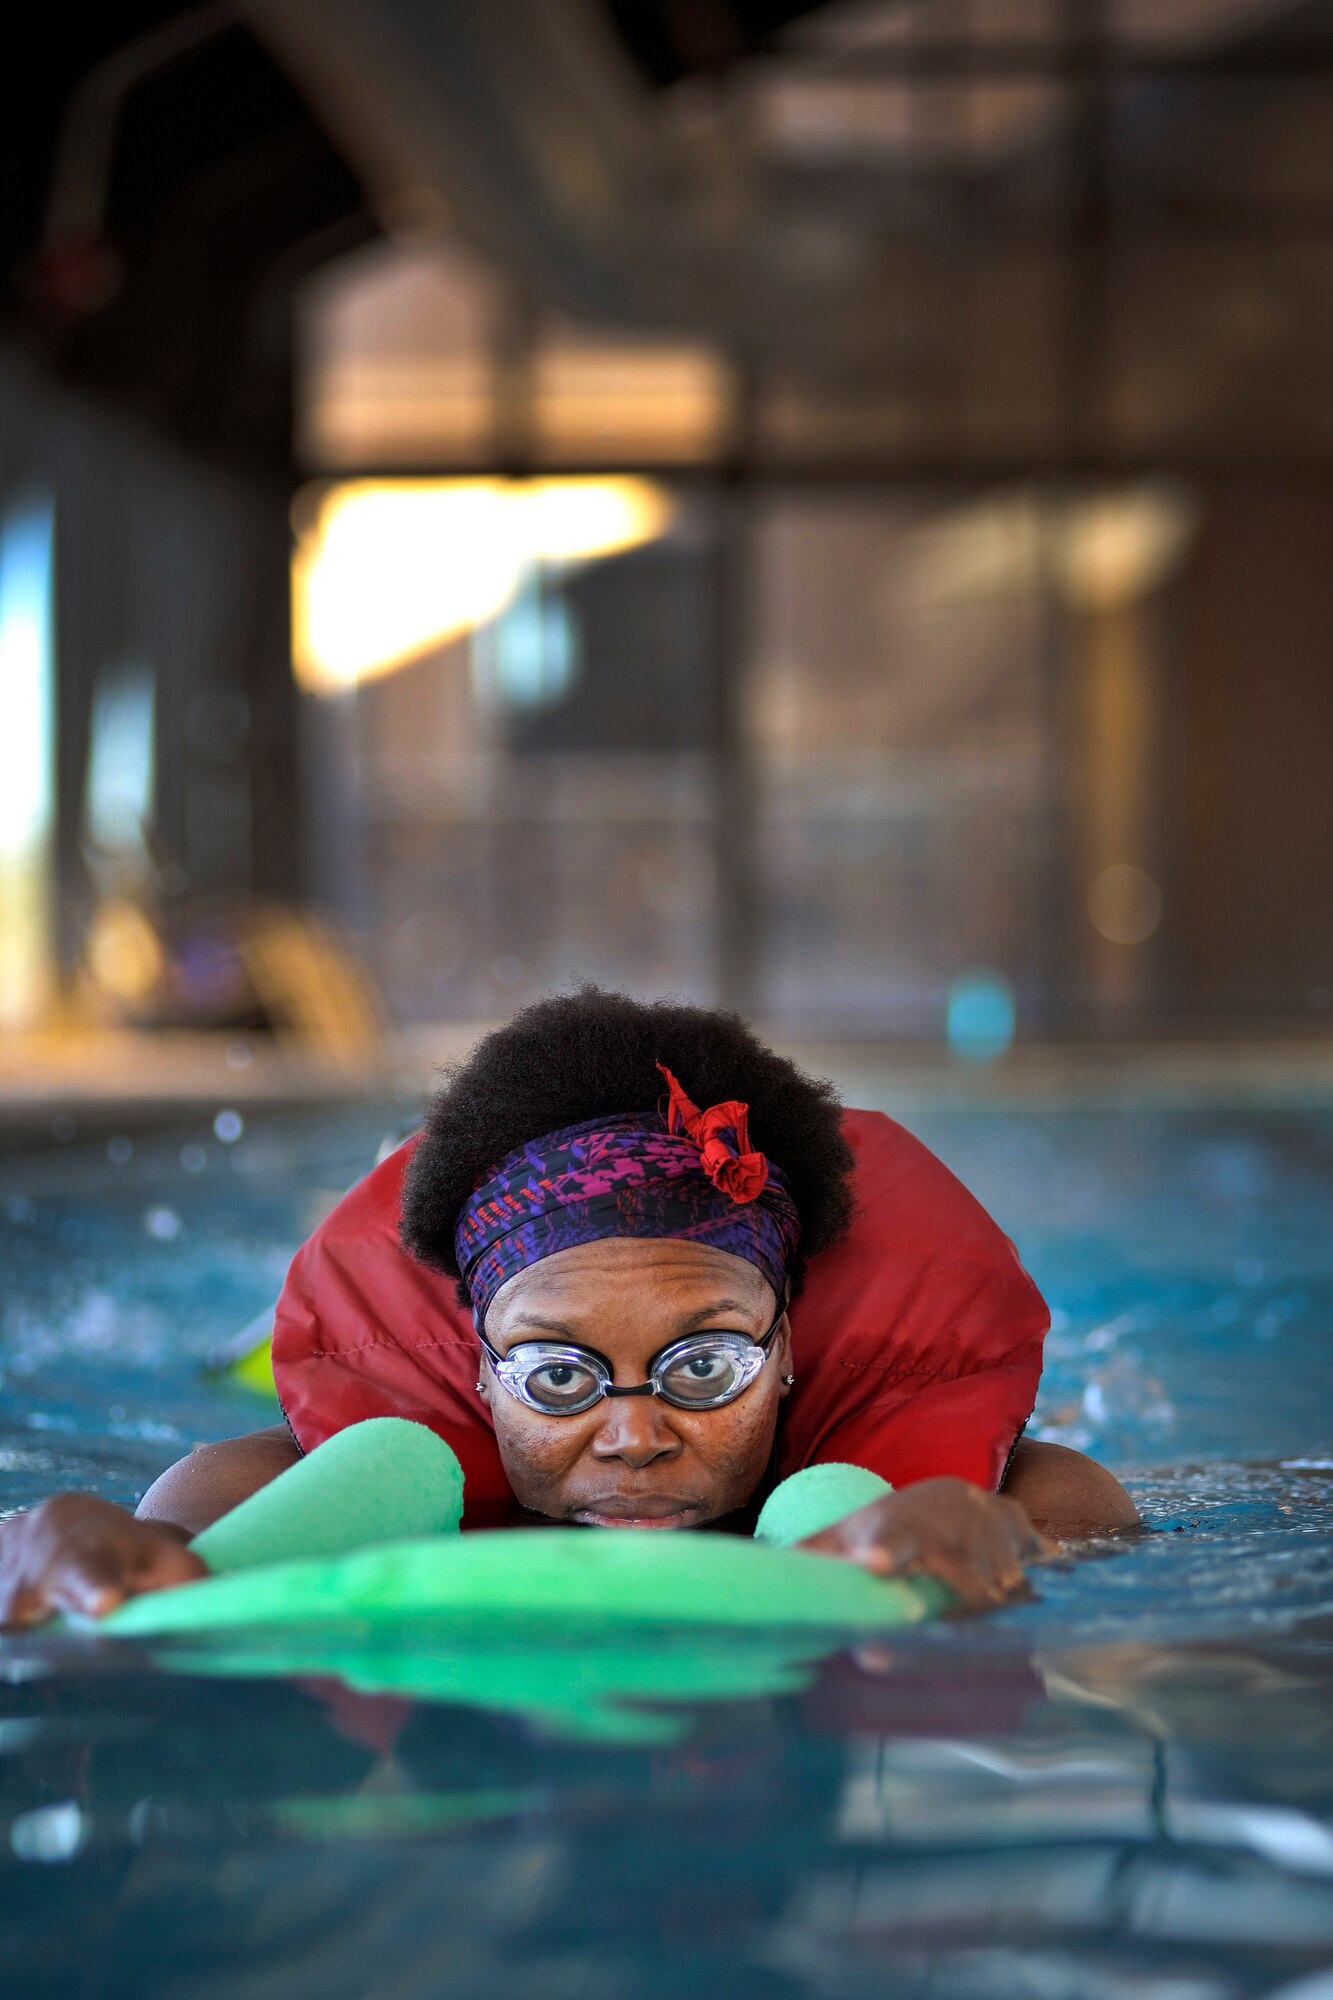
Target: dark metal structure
<point>936,235</point>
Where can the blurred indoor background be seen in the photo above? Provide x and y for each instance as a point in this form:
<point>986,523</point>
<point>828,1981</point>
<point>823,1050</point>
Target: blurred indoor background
<point>823,507</point>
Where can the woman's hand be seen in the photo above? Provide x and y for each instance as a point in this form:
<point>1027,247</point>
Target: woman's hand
<point>74,1553</point>
<point>975,1542</point>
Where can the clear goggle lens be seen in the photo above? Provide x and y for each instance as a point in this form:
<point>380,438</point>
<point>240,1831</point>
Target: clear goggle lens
<point>700,1373</point>
<point>708,1372</point>
<point>560,1384</point>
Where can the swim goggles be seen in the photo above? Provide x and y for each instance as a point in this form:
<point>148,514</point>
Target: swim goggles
<point>703,1371</point>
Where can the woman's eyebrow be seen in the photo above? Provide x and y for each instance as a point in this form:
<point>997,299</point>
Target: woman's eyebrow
<point>719,1306</point>
<point>546,1325</point>
<point>697,1318</point>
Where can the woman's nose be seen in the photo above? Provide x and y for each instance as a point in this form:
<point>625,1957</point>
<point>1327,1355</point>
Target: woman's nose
<point>634,1428</point>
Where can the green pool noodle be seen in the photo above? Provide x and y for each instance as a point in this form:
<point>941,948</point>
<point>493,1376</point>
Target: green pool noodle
<point>384,1480</point>
<point>815,1498</point>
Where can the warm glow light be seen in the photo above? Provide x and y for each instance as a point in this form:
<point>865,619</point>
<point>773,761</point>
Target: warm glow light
<point>1104,551</point>
<point>388,570</point>
<point>576,520</point>
<point>1124,903</point>
<point>124,952</point>
<point>1119,548</point>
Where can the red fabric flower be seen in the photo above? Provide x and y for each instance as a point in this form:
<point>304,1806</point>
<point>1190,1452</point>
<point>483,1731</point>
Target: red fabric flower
<point>722,1134</point>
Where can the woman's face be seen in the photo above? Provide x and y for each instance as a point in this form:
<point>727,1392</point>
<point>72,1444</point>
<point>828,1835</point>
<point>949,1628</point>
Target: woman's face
<point>636,1461</point>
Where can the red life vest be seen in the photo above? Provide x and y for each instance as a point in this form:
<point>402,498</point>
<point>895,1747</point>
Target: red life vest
<point>916,1341</point>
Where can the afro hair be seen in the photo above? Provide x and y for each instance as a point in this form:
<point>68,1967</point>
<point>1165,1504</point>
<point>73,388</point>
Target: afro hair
<point>593,1054</point>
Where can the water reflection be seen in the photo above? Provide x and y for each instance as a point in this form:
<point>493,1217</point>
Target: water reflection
<point>1129,1820</point>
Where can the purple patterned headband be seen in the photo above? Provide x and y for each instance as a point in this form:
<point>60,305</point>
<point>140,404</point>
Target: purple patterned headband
<point>696,1179</point>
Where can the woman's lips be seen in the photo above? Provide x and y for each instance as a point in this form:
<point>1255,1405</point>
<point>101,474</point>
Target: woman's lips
<point>642,1510</point>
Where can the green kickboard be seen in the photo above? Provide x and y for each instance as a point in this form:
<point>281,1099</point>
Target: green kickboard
<point>546,1575</point>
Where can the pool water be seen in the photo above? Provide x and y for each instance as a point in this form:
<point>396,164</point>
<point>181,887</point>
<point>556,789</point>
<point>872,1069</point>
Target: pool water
<point>1121,1789</point>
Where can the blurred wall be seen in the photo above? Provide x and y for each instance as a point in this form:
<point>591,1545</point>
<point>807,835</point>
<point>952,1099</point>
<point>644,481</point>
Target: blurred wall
<point>956,376</point>
<point>1065,738</point>
<point>168,588</point>
<point>1252,730</point>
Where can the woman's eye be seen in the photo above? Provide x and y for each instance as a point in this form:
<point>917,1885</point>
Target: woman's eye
<point>560,1382</point>
<point>707,1374</point>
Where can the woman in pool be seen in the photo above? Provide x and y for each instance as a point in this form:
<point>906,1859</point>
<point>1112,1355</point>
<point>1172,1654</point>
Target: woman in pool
<point>622,1309</point>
